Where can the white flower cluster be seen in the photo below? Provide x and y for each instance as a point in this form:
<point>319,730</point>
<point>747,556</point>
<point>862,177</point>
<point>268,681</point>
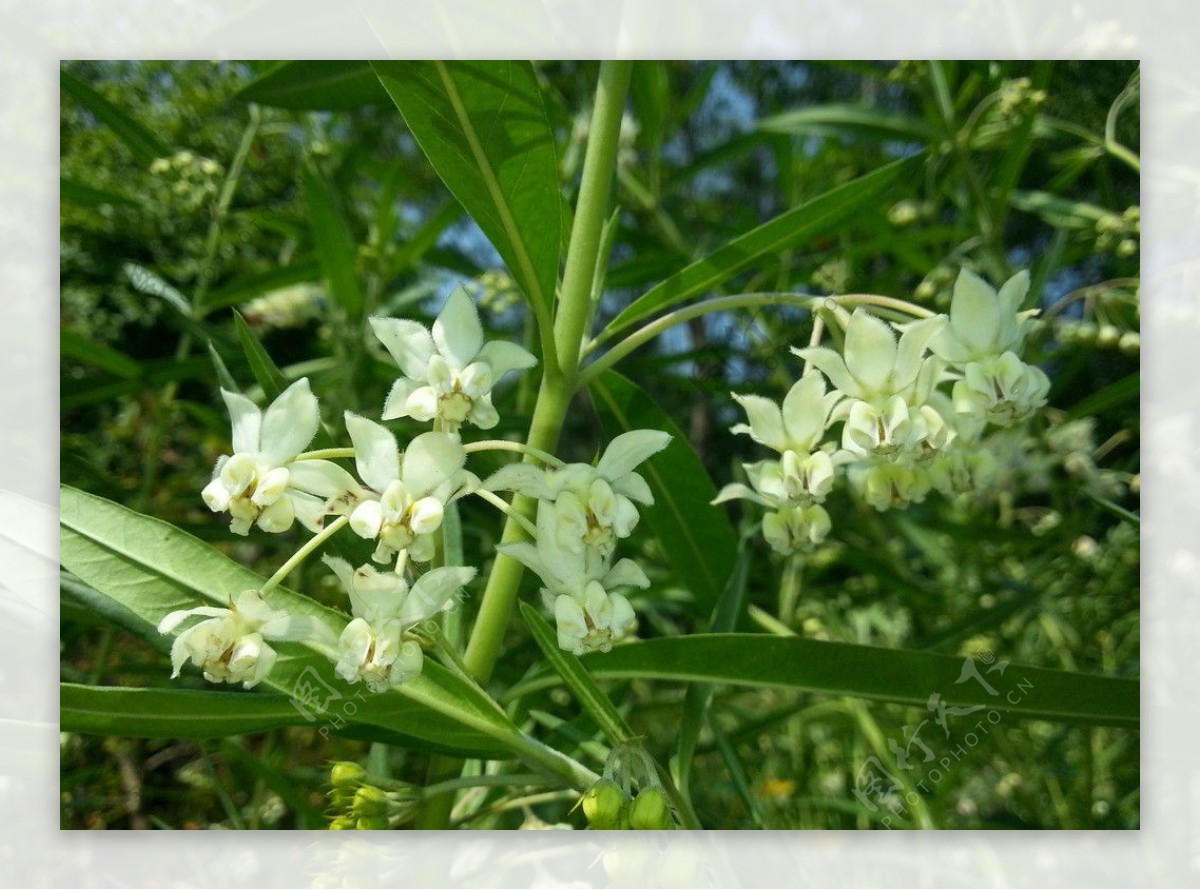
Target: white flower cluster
<point>398,500</point>
<point>902,434</point>
<point>582,512</point>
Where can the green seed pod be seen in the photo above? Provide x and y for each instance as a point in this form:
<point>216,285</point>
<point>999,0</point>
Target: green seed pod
<point>1130,343</point>
<point>650,811</point>
<point>1108,336</point>
<point>602,804</point>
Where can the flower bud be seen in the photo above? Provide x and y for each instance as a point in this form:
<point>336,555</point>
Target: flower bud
<point>346,775</point>
<point>372,823</point>
<point>370,802</point>
<point>650,811</point>
<point>602,805</point>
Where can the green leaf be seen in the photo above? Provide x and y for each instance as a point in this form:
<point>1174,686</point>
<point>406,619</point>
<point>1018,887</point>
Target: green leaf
<point>698,698</point>
<point>568,666</point>
<point>336,247</point>
<point>311,85</point>
<point>139,140</point>
<point>262,366</point>
<point>224,378</point>
<point>1125,389</point>
<point>838,120</point>
<point>247,287</point>
<point>171,713</point>
<point>820,216</point>
<point>83,195</point>
<point>151,568</point>
<point>74,346</point>
<point>892,675</point>
<point>696,537</point>
<point>483,127</point>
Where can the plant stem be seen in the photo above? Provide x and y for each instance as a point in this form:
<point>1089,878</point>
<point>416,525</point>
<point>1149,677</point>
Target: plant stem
<point>721,304</point>
<point>560,368</point>
<point>500,504</point>
<point>554,395</point>
<point>520,448</point>
<point>303,553</point>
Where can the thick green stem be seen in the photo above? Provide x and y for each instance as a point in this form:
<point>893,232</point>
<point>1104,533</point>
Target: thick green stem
<point>554,395</point>
<point>554,398</point>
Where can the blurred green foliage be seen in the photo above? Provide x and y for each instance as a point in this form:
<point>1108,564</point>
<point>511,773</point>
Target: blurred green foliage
<point>194,189</point>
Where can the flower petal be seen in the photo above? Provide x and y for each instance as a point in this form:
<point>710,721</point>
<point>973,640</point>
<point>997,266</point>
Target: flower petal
<point>737,491</point>
<point>520,477</point>
<point>628,450</point>
<point>429,460</point>
<point>766,421</point>
<point>290,423</point>
<point>833,366</point>
<point>504,356</point>
<point>408,342</point>
<point>870,351</point>
<point>626,573</point>
<point>375,452</point>
<point>634,487</point>
<point>396,403</point>
<point>804,414</point>
<point>457,331</point>
<point>975,312</point>
<point>247,421</point>
<point>434,592</point>
<point>910,353</point>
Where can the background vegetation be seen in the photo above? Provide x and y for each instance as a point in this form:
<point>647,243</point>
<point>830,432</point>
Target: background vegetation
<point>217,213</point>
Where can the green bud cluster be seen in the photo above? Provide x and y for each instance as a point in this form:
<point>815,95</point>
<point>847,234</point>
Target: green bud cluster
<point>1120,234</point>
<point>362,802</point>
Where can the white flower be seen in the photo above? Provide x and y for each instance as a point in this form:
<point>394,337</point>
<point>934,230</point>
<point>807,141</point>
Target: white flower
<point>799,425</point>
<point>449,373</point>
<point>581,590</point>
<point>884,484</point>
<point>1000,389</point>
<point>260,484</point>
<point>793,480</point>
<point>876,367</point>
<point>374,646</point>
<point>793,528</point>
<point>408,495</point>
<point>592,506</point>
<point>983,324</point>
<point>230,645</point>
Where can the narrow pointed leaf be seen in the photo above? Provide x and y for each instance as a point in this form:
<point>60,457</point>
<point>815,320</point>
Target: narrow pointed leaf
<point>892,675</point>
<point>317,85</point>
<point>151,568</point>
<point>575,675</point>
<point>483,126</point>
<point>820,216</point>
<point>144,145</point>
<point>336,249</point>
